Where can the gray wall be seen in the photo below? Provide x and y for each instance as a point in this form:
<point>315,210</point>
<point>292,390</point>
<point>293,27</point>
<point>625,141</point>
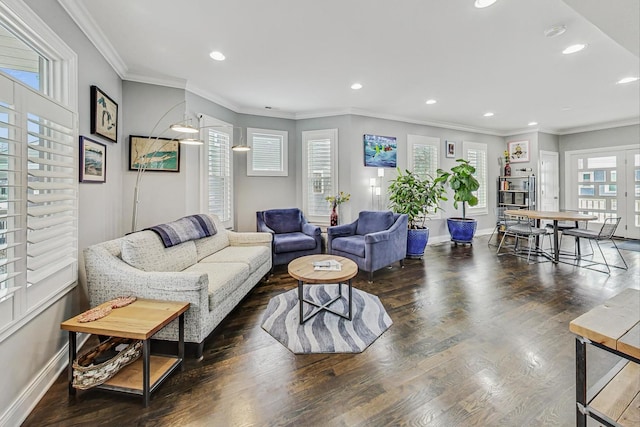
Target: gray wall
<point>33,356</point>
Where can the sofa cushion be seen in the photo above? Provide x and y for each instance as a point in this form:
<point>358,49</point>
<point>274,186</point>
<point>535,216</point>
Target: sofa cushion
<point>224,278</point>
<point>293,242</point>
<point>372,222</point>
<point>145,251</point>
<point>253,256</point>
<point>351,244</point>
<point>283,220</point>
<point>209,245</point>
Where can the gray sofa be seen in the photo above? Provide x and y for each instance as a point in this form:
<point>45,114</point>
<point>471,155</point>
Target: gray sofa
<point>213,274</point>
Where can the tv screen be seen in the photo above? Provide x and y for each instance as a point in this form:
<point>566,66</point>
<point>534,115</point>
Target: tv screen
<point>380,151</point>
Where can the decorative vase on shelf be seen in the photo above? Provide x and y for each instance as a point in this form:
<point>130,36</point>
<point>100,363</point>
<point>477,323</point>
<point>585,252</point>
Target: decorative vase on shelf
<point>334,216</point>
<point>507,169</point>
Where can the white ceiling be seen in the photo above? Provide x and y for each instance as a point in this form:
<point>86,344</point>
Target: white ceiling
<point>300,57</point>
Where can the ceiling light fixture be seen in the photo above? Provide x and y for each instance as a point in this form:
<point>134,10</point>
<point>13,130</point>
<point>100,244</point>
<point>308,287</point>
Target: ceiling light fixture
<point>532,123</point>
<point>190,141</point>
<point>555,31</point>
<point>489,114</point>
<point>218,56</point>
<point>183,128</point>
<point>574,48</point>
<point>431,101</point>
<point>627,80</point>
<point>480,4</point>
<point>356,86</point>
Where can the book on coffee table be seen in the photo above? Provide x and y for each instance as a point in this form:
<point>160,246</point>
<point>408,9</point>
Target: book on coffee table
<point>328,265</point>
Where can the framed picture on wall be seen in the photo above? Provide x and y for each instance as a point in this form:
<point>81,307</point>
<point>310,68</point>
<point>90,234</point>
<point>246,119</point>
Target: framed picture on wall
<point>93,161</point>
<point>104,115</point>
<point>519,151</point>
<point>380,151</point>
<point>154,154</point>
<point>450,149</point>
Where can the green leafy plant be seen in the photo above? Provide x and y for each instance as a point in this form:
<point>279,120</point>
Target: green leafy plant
<point>463,183</point>
<point>338,199</point>
<point>415,196</point>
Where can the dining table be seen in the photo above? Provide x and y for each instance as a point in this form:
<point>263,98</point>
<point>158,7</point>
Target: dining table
<point>554,216</point>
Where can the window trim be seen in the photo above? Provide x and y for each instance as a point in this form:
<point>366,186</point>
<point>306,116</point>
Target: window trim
<point>332,136</point>
<point>284,147</point>
<point>484,181</point>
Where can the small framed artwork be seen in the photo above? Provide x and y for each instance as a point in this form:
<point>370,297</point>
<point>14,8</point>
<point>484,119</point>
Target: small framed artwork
<point>518,151</point>
<point>380,151</point>
<point>450,149</point>
<point>104,115</point>
<point>154,154</point>
<point>93,161</point>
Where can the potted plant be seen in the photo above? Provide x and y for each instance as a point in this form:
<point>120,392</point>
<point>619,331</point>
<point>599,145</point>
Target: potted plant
<point>463,184</point>
<point>417,197</point>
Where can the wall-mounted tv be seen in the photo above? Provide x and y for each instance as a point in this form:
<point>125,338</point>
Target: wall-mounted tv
<point>380,151</point>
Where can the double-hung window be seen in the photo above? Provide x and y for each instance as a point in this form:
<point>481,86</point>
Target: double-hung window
<point>217,186</point>
<point>269,152</point>
<point>422,158</point>
<point>319,173</point>
<point>476,154</point>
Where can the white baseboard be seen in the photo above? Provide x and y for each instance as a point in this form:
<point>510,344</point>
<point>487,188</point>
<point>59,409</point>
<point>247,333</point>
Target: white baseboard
<point>447,238</point>
<point>24,403</point>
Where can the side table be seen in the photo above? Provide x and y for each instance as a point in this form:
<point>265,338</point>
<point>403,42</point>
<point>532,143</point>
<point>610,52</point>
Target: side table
<point>614,327</point>
<point>139,320</point>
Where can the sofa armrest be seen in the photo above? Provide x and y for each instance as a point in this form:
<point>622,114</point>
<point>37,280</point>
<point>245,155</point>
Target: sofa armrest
<point>310,229</point>
<point>378,236</point>
<point>249,238</point>
<point>342,230</point>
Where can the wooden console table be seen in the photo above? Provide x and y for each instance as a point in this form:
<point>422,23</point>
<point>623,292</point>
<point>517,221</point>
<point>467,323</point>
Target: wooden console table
<point>613,327</point>
<point>139,320</point>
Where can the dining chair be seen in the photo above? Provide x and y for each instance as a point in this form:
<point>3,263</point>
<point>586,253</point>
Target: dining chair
<point>520,228</point>
<point>501,224</point>
<point>605,233</point>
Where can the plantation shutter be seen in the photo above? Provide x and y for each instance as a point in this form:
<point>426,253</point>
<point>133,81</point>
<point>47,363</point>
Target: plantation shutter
<point>425,160</point>
<point>319,171</point>
<point>476,154</point>
<point>219,174</point>
<point>38,200</point>
<point>268,155</point>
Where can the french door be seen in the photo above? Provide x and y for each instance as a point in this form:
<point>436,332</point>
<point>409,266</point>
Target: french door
<point>606,183</point>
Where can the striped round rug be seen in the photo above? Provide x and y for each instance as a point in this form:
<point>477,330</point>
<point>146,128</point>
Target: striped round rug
<point>326,332</point>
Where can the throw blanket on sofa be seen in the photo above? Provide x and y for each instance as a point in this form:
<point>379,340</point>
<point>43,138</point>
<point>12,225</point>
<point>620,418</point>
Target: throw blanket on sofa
<point>190,227</point>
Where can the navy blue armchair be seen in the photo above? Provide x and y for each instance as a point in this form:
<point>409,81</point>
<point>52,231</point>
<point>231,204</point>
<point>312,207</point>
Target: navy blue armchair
<point>293,236</point>
<point>375,240</point>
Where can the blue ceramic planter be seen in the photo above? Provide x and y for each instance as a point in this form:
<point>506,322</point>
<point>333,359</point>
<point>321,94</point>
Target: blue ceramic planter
<point>461,230</point>
<point>416,242</point>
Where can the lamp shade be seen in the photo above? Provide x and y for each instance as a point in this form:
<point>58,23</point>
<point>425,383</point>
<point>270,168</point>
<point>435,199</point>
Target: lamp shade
<point>184,128</point>
<point>380,172</point>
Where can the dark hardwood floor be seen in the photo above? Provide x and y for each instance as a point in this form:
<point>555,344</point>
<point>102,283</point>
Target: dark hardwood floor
<point>477,340</point>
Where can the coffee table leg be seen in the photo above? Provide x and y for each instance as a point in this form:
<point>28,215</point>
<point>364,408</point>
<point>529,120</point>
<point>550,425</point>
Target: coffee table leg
<point>300,300</point>
<point>350,299</point>
<point>145,372</point>
<point>72,357</point>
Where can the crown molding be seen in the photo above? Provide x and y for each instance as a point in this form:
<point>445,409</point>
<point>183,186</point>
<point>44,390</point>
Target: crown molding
<point>158,81</point>
<point>83,19</point>
<point>601,126</point>
<point>210,96</point>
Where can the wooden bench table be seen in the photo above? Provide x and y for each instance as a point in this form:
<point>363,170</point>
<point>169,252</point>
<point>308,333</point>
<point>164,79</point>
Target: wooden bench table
<point>139,320</point>
<point>614,327</point>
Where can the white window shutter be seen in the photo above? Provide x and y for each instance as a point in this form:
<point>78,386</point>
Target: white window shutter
<point>320,173</point>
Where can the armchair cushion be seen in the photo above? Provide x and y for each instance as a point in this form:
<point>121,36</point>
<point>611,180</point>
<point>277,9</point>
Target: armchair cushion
<point>371,222</point>
<point>290,242</point>
<point>284,220</point>
<point>350,244</point>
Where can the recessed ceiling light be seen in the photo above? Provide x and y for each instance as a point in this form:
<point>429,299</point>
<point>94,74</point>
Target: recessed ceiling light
<point>566,108</point>
<point>532,123</point>
<point>431,101</point>
<point>356,86</point>
<point>627,80</point>
<point>483,3</point>
<point>218,56</point>
<point>574,48</point>
<point>489,114</point>
<point>555,31</point>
